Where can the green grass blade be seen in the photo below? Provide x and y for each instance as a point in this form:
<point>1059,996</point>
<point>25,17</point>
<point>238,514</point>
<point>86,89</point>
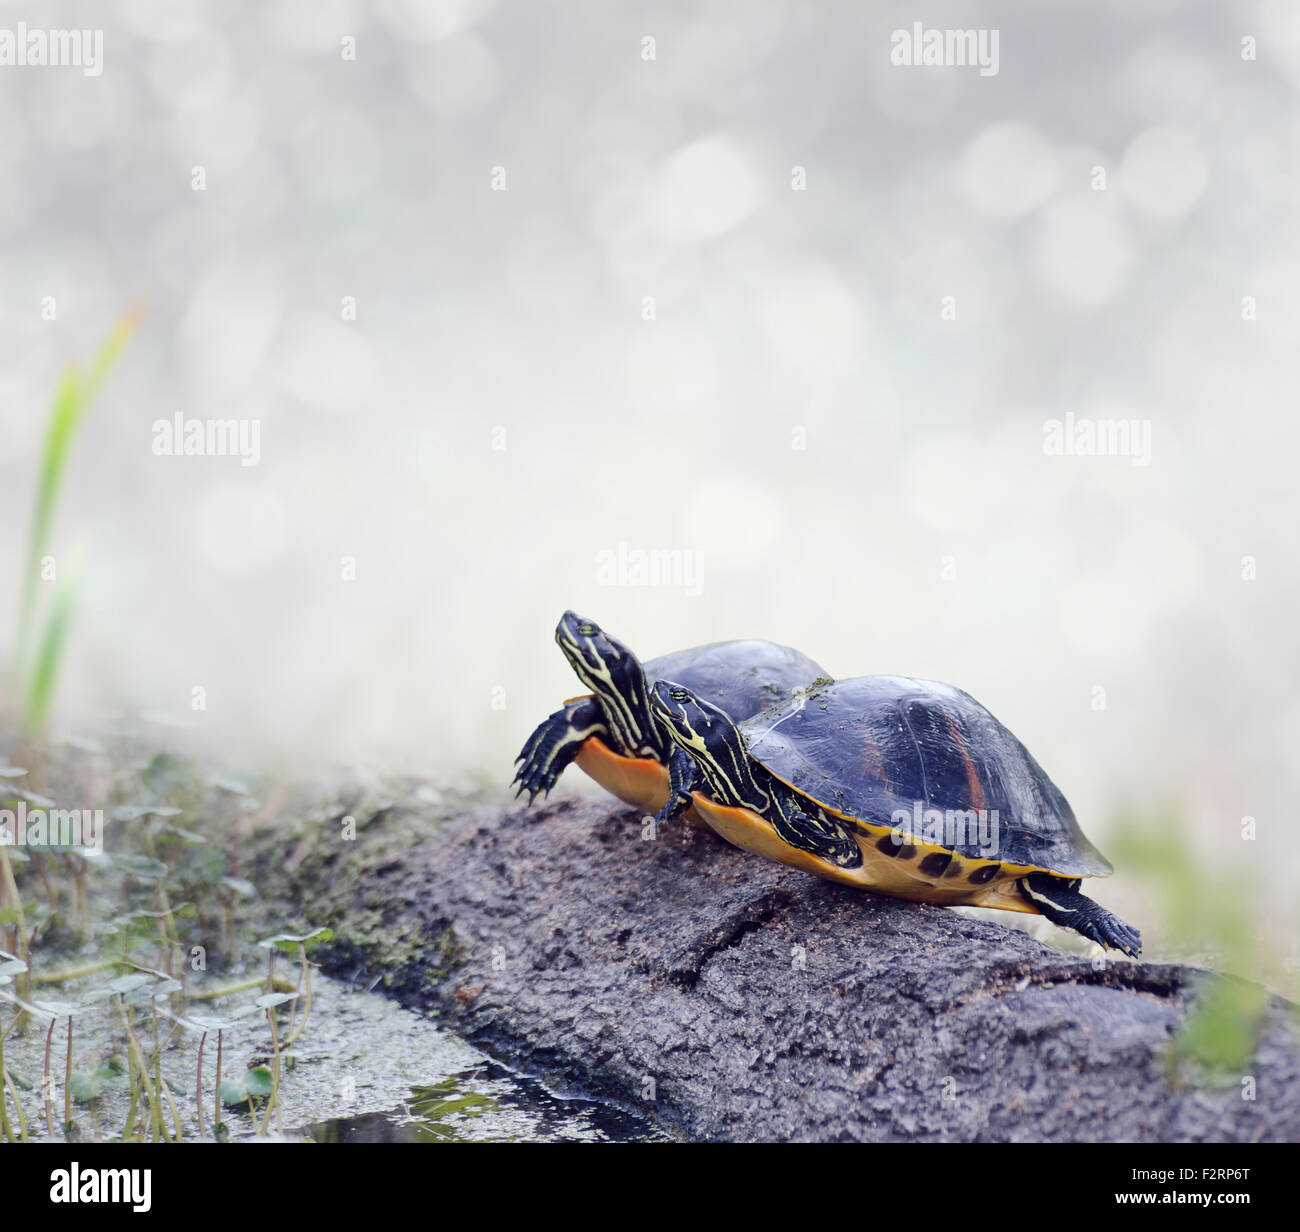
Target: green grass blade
<point>71,399</point>
<point>65,414</point>
<point>109,353</point>
<point>40,690</point>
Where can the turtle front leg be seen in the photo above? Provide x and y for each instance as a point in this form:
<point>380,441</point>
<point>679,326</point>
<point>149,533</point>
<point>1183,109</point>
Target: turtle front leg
<point>555,744</point>
<point>684,777</point>
<point>811,830</point>
<point>1060,901</point>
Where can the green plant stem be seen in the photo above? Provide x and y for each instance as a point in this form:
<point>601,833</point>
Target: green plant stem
<point>18,1108</point>
<point>65,974</point>
<point>216,1090</point>
<point>67,1082</point>
<point>45,1084</point>
<point>198,1085</point>
<point>135,1055</point>
<point>23,982</point>
<point>5,1131</point>
<point>274,1101</point>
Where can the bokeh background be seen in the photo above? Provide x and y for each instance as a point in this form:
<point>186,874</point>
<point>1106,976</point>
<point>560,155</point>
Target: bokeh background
<point>851,472</point>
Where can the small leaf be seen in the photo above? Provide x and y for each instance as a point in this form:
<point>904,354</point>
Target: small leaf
<point>200,1022</point>
<point>42,802</point>
<point>140,866</point>
<point>129,983</point>
<point>256,1082</point>
<point>188,835</point>
<point>151,992</point>
<point>234,784</point>
<point>165,773</point>
<point>133,812</point>
<point>233,1092</point>
<point>42,1009</point>
<point>289,942</point>
<point>86,1088</point>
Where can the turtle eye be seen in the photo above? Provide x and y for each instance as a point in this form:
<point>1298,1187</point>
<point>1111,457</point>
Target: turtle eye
<point>679,695</point>
<point>587,630</point>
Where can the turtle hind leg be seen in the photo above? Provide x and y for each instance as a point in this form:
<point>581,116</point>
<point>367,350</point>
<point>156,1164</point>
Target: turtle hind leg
<point>554,744</point>
<point>1060,901</point>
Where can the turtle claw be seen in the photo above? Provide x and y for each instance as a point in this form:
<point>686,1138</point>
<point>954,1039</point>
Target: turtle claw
<point>533,780</point>
<point>536,766</point>
<point>555,742</point>
<point>1117,935</point>
<point>1112,933</point>
<point>1060,901</point>
<point>540,765</point>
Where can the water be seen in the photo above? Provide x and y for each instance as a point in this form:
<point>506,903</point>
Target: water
<point>488,1103</point>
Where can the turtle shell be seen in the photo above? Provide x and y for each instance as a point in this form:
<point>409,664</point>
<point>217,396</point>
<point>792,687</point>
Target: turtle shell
<point>742,678</point>
<point>868,747</point>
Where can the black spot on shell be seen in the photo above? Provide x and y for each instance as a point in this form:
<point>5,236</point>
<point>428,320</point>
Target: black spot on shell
<point>897,851</point>
<point>984,874</point>
<point>934,864</point>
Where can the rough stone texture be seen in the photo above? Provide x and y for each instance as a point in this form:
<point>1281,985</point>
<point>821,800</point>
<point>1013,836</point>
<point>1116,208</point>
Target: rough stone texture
<point>767,1004</point>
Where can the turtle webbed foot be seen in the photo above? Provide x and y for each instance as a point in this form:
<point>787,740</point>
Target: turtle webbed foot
<point>1113,933</point>
<point>555,742</point>
<point>678,803</point>
<point>1059,899</point>
<point>533,781</point>
<point>534,772</point>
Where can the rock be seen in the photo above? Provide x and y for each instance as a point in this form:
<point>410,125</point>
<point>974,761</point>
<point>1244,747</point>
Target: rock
<point>732,998</point>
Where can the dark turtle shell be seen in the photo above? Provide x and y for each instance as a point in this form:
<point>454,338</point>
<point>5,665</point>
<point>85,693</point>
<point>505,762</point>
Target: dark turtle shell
<point>869,746</point>
<point>742,678</point>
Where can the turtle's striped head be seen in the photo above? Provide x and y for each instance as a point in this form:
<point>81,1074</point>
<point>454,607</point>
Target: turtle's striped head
<point>615,677</point>
<point>586,645</point>
<point>706,733</point>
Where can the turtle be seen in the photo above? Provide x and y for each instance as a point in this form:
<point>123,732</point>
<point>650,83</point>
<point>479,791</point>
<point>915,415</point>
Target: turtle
<point>907,787</point>
<point>609,732</point>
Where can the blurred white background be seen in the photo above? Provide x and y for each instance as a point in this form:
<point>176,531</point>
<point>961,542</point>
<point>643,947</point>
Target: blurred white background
<point>921,530</point>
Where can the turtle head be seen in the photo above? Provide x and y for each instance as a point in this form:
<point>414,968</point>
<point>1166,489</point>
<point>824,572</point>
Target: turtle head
<point>705,733</point>
<point>692,724</point>
<point>615,677</point>
<point>592,653</point>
